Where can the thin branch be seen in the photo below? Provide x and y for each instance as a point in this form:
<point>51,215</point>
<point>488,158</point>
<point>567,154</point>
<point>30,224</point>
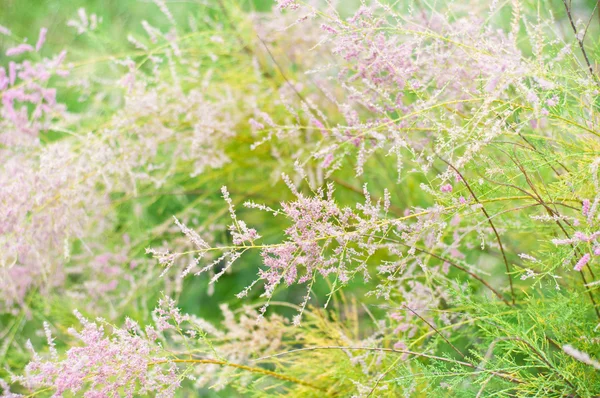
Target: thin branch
<point>280,69</point>
<point>537,352</point>
<point>503,375</point>
<point>580,42</point>
<point>435,330</point>
<point>512,291</point>
<point>453,264</point>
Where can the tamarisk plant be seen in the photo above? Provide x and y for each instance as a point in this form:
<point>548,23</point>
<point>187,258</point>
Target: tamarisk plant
<point>381,199</point>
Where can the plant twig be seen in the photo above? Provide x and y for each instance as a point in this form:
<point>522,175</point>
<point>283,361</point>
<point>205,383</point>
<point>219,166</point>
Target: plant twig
<point>580,42</point>
<point>503,375</point>
<point>512,291</point>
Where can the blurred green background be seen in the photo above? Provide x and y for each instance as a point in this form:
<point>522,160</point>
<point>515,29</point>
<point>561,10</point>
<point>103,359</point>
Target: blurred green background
<point>120,18</point>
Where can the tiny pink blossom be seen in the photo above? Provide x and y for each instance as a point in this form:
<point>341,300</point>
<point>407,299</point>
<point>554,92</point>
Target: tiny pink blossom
<point>582,262</point>
<point>20,49</point>
<point>329,29</point>
<point>552,101</point>
<point>327,161</point>
<point>41,39</point>
<point>446,188</point>
<point>581,356</point>
<point>320,126</point>
<point>585,207</point>
<point>291,4</point>
<point>12,72</point>
<point>401,346</point>
<point>534,123</point>
<point>256,125</point>
<point>4,31</point>
<point>3,79</point>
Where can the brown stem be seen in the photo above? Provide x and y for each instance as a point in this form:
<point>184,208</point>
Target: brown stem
<point>580,42</point>
<point>435,330</point>
<point>512,291</point>
<point>453,264</point>
<point>538,354</point>
<point>551,212</point>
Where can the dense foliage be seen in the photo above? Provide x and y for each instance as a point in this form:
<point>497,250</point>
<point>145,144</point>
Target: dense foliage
<point>307,198</point>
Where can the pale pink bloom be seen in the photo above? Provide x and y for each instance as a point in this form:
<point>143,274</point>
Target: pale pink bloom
<point>582,262</point>
<point>581,356</point>
<point>4,31</point>
<point>20,49</point>
<point>552,101</point>
<point>291,4</point>
<point>446,188</point>
<point>327,160</point>
<point>585,207</point>
<point>41,39</point>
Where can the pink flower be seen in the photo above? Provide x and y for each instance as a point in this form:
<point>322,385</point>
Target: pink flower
<point>20,49</point>
<point>329,29</point>
<point>446,188</point>
<point>327,161</point>
<point>320,126</point>
<point>582,262</point>
<point>585,207</point>
<point>3,79</point>
<point>401,346</point>
<point>41,39</point>
<point>12,72</point>
<point>552,101</point>
<point>534,123</point>
<point>103,364</point>
<point>580,356</point>
<point>4,31</point>
<point>256,125</point>
<point>291,4</point>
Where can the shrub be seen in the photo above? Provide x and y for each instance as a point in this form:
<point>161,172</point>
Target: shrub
<point>314,199</point>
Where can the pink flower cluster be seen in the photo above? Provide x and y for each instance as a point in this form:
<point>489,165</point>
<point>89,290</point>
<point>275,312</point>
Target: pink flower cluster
<point>57,193</point>
<point>124,364</point>
<point>28,105</point>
